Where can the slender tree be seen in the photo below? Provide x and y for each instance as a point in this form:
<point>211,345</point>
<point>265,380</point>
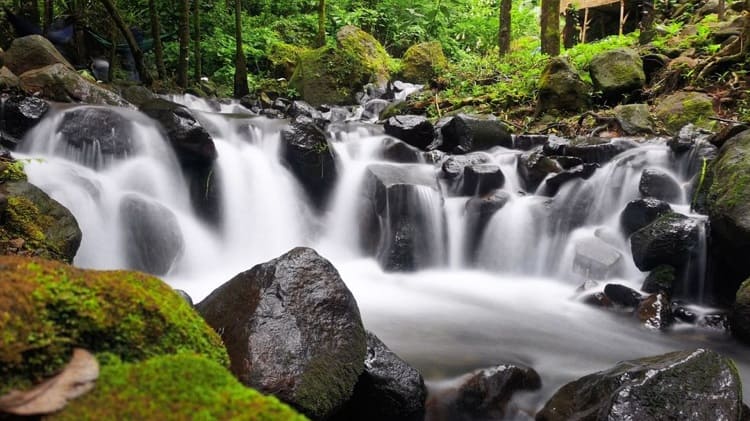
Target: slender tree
<point>550,25</point>
<point>134,48</point>
<point>184,36</point>
<point>503,35</point>
<point>156,35</point>
<point>721,9</point>
<point>197,39</point>
<point>321,38</point>
<point>240,64</point>
<point>49,14</point>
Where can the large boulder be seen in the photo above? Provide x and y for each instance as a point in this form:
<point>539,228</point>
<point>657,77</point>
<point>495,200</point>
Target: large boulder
<point>682,108</point>
<point>485,394</point>
<point>332,75</point>
<point>533,167</point>
<point>673,239</point>
<point>292,328</point>
<point>641,212</point>
<point>592,150</point>
<point>479,211</point>
<point>95,136</point>
<point>8,80</point>
<point>423,62</point>
<point>388,388</point>
<point>32,52</point>
<point>561,88</point>
<point>481,179</point>
<point>413,129</point>
<point>452,168</point>
<point>580,172</point>
<point>173,387</point>
<point>699,384</point>
<point>617,72</point>
<point>58,82</point>
<point>21,113</point>
<point>466,133</point>
<point>740,316</point>
<point>47,308</point>
<point>151,235</point>
<point>309,155</point>
<point>660,185</point>
<point>634,119</point>
<point>402,216</point>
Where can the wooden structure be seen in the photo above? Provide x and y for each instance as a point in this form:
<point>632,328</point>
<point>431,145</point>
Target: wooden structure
<point>584,9</point>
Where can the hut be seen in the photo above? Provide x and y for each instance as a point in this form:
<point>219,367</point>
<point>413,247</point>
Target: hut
<point>595,19</point>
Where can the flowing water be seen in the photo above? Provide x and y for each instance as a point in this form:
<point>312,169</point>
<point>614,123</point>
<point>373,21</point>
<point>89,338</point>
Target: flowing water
<point>512,301</point>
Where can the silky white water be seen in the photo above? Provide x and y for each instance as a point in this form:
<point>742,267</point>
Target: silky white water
<point>515,304</point>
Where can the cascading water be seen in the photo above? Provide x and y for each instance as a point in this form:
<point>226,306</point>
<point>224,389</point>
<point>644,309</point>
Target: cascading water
<point>448,317</point>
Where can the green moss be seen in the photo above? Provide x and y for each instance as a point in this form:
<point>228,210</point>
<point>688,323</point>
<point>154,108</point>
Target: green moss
<point>284,58</point>
<point>12,171</point>
<point>730,177</point>
<point>47,308</point>
<point>679,109</point>
<point>422,63</point>
<point>173,388</point>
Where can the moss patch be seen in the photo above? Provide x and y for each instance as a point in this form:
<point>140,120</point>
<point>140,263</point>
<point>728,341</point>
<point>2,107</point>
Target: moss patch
<point>681,108</point>
<point>422,63</point>
<point>729,191</point>
<point>175,387</point>
<point>47,308</point>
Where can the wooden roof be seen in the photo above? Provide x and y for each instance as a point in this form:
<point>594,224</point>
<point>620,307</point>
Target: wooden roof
<point>585,4</point>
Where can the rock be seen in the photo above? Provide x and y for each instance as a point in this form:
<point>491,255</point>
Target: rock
<point>310,157</point>
<point>740,316</point>
<point>653,388</point>
<point>479,211</point>
<point>567,162</point>
<point>480,179</point>
<point>48,308</point>
<point>687,138</point>
<point>167,389</point>
<point>332,75</point>
<point>395,150</point>
<point>655,312</point>
<point>32,52</point>
<point>283,59</point>
<point>617,72</point>
<point>402,215</point>
<point>595,259</point>
<point>21,113</point>
<point>185,296</point>
<point>659,185</point>
<point>292,328</point>
<point>584,172</point>
<point>301,108</point>
<point>95,136</point>
<point>592,150</point>
<point>453,167</point>
<point>424,62</point>
<point>533,167</point>
<point>597,299</point>
<point>622,295</point>
<point>8,80</point>
<point>526,142</point>
<point>672,240</point>
<point>465,133</point>
<point>660,280</point>
<point>683,314</point>
<point>561,88</point>
<point>388,389</point>
<point>634,119</point>
<point>653,64</point>
<point>412,129</point>
<point>641,212</point>
<point>137,95</point>
<point>681,108</point>
<point>372,109</point>
<point>399,107</point>
<point>486,393</point>
<point>151,233</point>
<point>58,82</point>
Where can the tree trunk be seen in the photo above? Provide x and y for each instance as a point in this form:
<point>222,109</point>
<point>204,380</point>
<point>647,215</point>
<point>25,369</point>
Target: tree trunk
<point>80,45</point>
<point>156,35</point>
<point>134,48</point>
<point>49,14</point>
<point>503,35</point>
<point>720,11</point>
<point>112,54</point>
<point>550,25</point>
<point>321,38</point>
<point>646,24</point>
<point>240,65</point>
<point>570,31</point>
<point>197,39</point>
<point>184,35</point>
<point>29,10</point>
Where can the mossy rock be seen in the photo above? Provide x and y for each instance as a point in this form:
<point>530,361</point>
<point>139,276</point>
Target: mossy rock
<point>681,108</point>
<point>617,72</point>
<point>422,63</point>
<point>561,88</point>
<point>173,387</point>
<point>47,308</point>
<point>57,82</point>
<point>333,75</point>
<point>283,59</point>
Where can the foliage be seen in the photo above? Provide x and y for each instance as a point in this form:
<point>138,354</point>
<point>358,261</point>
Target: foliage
<point>581,54</point>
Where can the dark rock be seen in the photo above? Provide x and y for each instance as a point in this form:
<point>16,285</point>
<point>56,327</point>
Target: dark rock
<point>137,95</point>
<point>583,172</point>
<point>32,52</point>
<point>617,72</point>
<point>464,133</point>
<point>533,167</point>
<point>480,179</point>
<point>641,212</point>
<point>301,108</point>
<point>595,259</point>
<point>653,388</point>
<point>281,104</point>
<point>715,321</point>
<point>622,295</point>
<point>59,82</point>
<point>191,142</point>
<point>655,312</point>
<point>412,129</point>
<point>727,132</point>
<point>687,137</point>
<point>740,319</point>
<point>660,279</point>
<point>479,211</point>
<point>395,150</point>
<point>597,299</point>
<point>527,142</point>
<point>310,157</point>
<point>567,162</point>
<point>683,314</point>
<point>634,119</point>
<point>21,114</point>
<point>653,64</point>
<point>660,185</point>
<point>486,393</point>
<point>453,166</point>
<point>670,240</point>
<point>292,329</point>
<point>561,88</point>
<point>372,109</point>
<point>151,234</point>
<point>388,389</point>
<point>96,135</point>
<point>591,150</point>
<point>272,113</point>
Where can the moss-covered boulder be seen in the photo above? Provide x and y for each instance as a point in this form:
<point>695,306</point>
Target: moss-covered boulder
<point>283,59</point>
<point>617,72</point>
<point>422,63</point>
<point>634,118</point>
<point>8,80</point>
<point>173,387</point>
<point>32,223</point>
<point>332,75</point>
<point>681,108</point>
<point>561,89</point>
<point>48,308</point>
<point>58,82</point>
<point>696,385</point>
<point>740,317</point>
<point>32,52</point>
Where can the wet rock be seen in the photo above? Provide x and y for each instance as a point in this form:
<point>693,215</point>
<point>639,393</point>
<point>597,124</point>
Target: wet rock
<point>387,389</point>
<point>486,393</point>
<point>617,72</point>
<point>8,80</point>
<point>597,299</point>
<point>660,279</point>
<point>309,155</point>
<point>681,108</point>
<point>97,135</point>
<point>32,52</point>
<point>622,295</point>
<point>301,108</point>
<point>466,133</point>
<point>152,235</point>
<point>395,150</point>
<point>740,319</point>
<point>479,211</point>
<point>582,172</point>
<point>593,150</point>
<point>672,240</point>
<point>412,129</point>
<point>480,179</point>
<point>137,95</point>
<point>292,329</point>
<point>655,312</point>
<point>641,212</point>
<point>21,113</point>
<point>561,88</point>
<point>372,109</point>
<point>634,119</point>
<point>715,321</point>
<point>683,313</point>
<point>687,137</point>
<point>453,166</point>
<point>653,388</point>
<point>533,167</point>
<point>527,142</point>
<point>58,82</point>
<point>660,185</point>
<point>595,259</point>
<point>567,162</point>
